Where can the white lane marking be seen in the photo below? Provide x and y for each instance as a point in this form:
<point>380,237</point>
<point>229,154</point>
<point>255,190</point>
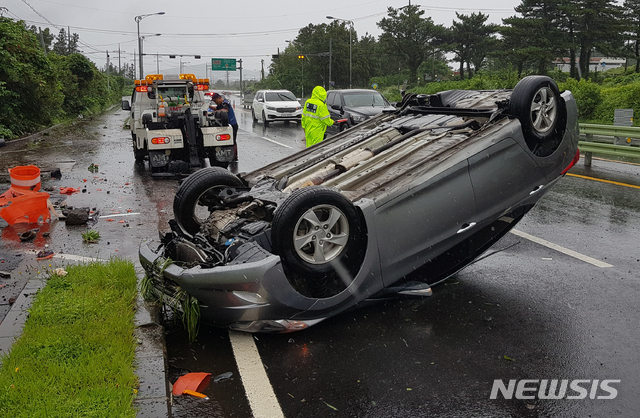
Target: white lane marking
<point>79,258</point>
<point>119,214</point>
<point>275,142</point>
<point>262,399</point>
<point>563,250</point>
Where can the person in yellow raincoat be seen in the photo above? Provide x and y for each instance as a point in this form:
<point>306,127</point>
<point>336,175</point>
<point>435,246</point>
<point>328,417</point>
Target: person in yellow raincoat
<point>315,117</point>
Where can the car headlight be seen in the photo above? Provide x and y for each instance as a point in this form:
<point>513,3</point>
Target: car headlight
<point>271,108</point>
<point>358,119</point>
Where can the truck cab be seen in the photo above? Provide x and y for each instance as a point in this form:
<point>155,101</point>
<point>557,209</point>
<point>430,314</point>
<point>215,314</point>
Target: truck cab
<point>172,126</point>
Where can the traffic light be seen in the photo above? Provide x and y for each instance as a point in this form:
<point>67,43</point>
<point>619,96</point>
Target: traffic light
<point>301,57</point>
<point>275,56</point>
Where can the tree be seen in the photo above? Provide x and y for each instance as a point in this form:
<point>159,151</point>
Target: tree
<point>471,40</point>
<point>535,38</point>
<point>66,44</point>
<point>45,36</point>
<point>407,38</point>
<point>597,25</point>
<point>632,15</point>
<point>28,83</point>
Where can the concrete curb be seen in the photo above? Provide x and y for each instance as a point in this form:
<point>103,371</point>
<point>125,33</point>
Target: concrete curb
<point>150,358</point>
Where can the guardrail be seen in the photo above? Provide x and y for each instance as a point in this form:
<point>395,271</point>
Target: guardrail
<point>589,147</point>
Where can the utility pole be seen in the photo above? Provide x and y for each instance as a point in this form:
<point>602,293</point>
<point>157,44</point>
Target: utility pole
<point>262,71</point>
<point>241,89</point>
<point>44,48</point>
<point>119,69</point>
<point>108,89</point>
<point>157,63</point>
<point>330,63</point>
<point>69,39</point>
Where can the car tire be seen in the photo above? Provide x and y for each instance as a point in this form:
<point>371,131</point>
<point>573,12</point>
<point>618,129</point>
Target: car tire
<point>264,119</point>
<point>253,115</point>
<point>190,205</point>
<point>138,154</point>
<point>343,127</point>
<point>303,225</point>
<point>536,102</point>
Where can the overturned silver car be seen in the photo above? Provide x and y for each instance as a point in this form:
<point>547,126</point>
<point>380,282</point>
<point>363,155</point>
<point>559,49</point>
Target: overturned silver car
<point>388,207</point>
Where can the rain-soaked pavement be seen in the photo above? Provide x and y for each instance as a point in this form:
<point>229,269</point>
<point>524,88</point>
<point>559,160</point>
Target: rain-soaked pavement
<point>527,311</point>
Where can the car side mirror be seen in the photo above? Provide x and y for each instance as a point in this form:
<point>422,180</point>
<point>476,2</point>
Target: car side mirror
<point>126,105</point>
<point>336,107</point>
<point>261,99</point>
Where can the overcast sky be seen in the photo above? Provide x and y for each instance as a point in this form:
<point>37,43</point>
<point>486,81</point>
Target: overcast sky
<point>252,30</point>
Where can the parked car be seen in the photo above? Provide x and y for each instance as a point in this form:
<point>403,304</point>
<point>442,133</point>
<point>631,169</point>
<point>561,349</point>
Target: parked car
<point>350,107</point>
<point>389,207</point>
<point>275,106</point>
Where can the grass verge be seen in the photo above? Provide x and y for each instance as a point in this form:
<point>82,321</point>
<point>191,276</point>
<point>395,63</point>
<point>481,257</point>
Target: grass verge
<point>76,355</point>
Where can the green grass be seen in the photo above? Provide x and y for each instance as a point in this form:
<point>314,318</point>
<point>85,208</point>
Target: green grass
<point>76,355</point>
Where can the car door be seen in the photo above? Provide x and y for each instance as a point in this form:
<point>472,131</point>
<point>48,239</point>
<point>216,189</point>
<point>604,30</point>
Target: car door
<point>425,222</point>
<point>258,104</point>
<point>332,98</point>
<point>503,175</point>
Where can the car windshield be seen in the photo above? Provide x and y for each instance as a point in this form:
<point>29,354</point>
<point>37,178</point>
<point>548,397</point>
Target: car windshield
<point>283,96</point>
<point>365,99</point>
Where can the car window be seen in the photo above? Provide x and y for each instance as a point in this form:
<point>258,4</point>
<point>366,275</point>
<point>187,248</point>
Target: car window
<point>282,96</point>
<point>331,99</point>
<point>364,99</point>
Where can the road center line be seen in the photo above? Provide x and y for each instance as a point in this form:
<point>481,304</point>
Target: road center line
<point>561,249</point>
<point>603,181</point>
<point>262,399</point>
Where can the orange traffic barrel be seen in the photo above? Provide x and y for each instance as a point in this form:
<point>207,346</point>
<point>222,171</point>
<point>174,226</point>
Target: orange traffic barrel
<point>27,208</point>
<point>26,177</point>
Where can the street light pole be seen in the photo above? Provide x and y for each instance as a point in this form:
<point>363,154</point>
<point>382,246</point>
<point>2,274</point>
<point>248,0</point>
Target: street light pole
<point>350,22</point>
<point>142,38</point>
<point>138,19</point>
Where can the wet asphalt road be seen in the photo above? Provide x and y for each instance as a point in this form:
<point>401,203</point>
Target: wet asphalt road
<point>525,312</point>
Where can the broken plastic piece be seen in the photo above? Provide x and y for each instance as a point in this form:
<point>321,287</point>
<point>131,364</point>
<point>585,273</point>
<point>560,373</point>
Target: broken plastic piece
<point>44,255</point>
<point>68,190</point>
<point>26,208</point>
<point>191,381</point>
<point>194,393</point>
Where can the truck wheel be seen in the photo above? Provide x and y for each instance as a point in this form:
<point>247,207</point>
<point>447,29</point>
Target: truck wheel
<point>198,193</point>
<point>138,154</point>
<point>321,239</point>
<point>264,119</point>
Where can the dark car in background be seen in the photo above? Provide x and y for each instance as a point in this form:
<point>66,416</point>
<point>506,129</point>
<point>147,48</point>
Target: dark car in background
<point>353,106</point>
<point>391,206</point>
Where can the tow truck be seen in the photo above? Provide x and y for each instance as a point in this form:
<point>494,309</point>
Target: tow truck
<point>172,126</point>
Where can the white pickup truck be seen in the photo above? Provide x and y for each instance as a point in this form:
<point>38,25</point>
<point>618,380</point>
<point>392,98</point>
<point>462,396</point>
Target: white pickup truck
<point>171,124</point>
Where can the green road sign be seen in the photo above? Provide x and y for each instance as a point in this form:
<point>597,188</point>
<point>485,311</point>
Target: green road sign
<point>223,64</point>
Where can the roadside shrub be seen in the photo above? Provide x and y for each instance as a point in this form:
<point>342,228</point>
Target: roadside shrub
<point>587,95</point>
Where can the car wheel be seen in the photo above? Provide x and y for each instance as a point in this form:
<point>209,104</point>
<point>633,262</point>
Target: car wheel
<point>343,127</point>
<point>264,119</point>
<point>536,102</point>
<point>321,239</point>
<point>253,115</point>
<point>198,193</point>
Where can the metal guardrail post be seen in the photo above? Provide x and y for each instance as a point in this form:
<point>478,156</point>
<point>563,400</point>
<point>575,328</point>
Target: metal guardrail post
<point>588,155</point>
